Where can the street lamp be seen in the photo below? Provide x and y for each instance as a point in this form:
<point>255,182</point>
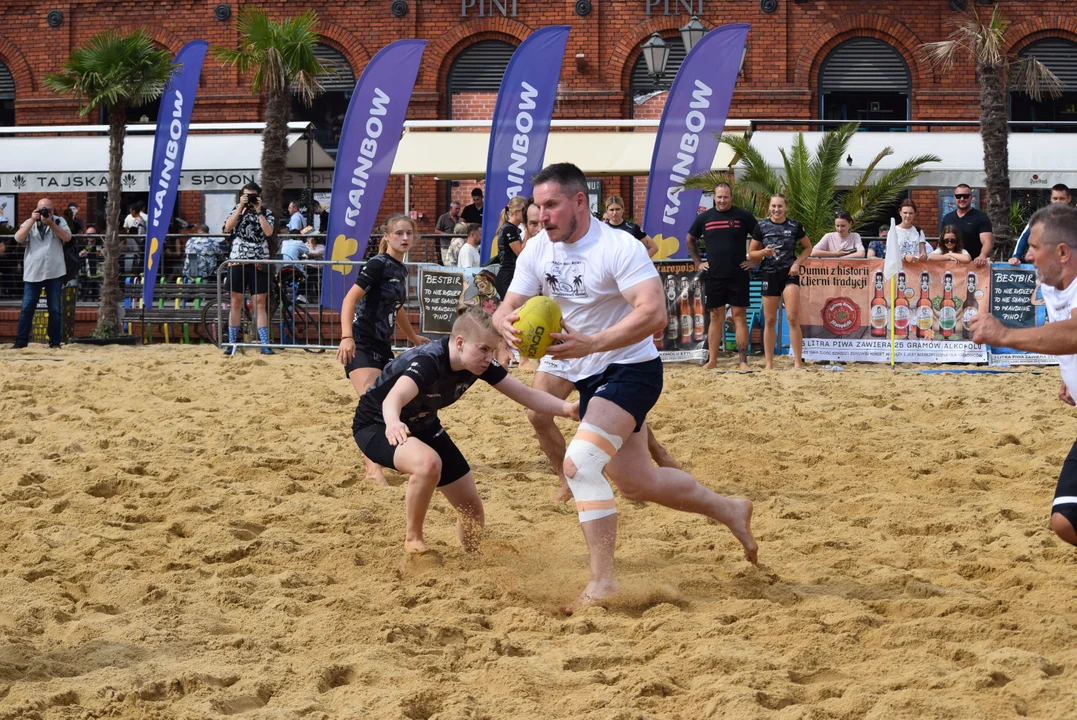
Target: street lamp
<point>692,33</point>
<point>655,54</point>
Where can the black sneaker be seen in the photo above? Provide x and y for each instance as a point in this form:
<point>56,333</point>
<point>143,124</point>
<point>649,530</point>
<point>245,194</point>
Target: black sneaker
<point>54,346</point>
<point>18,345</point>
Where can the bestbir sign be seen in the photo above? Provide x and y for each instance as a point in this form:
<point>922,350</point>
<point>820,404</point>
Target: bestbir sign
<point>368,144</point>
<point>521,123</point>
<point>695,113</point>
<point>170,141</point>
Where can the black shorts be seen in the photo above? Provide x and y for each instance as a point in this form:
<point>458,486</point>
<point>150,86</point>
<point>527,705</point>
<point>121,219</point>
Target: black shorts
<point>634,388</point>
<point>253,278</point>
<point>774,283</point>
<point>372,441</point>
<point>1065,503</point>
<point>735,291</point>
<point>369,356</point>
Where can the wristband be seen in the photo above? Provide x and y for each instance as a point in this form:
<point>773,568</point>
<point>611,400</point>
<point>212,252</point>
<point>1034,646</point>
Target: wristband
<point>347,337</point>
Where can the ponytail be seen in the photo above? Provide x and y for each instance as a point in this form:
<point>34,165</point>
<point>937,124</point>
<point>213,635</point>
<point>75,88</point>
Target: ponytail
<point>517,203</point>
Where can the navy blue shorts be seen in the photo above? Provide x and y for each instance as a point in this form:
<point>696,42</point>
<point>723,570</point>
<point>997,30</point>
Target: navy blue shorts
<point>634,388</point>
<point>1065,503</point>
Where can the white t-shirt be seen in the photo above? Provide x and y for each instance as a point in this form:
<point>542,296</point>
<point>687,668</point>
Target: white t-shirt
<point>938,251</point>
<point>130,221</point>
<point>587,279</point>
<point>908,241</point>
<point>468,257</point>
<point>1061,305</point>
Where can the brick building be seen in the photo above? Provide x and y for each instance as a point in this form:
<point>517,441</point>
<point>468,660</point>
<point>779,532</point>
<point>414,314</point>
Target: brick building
<point>806,59</point>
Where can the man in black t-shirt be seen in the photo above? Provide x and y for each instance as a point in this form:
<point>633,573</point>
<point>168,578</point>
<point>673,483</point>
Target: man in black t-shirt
<point>473,212</point>
<point>973,224</point>
<point>396,422</point>
<point>725,230</point>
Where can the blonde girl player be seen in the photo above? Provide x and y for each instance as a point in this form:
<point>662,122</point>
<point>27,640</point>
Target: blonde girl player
<point>774,246</point>
<point>380,292</point>
<point>396,423</point>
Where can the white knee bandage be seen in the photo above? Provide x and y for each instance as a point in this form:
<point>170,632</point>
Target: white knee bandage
<point>590,451</point>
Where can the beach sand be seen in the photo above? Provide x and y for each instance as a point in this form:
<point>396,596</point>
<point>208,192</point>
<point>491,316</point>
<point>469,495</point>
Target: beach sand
<point>184,536</point>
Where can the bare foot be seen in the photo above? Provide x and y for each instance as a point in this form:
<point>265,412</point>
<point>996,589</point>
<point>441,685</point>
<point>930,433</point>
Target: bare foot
<point>596,593</point>
<point>741,527</point>
<point>667,461</point>
<point>798,364</point>
<point>415,547</point>
<point>374,473</point>
<point>710,366</point>
<point>744,366</point>
<point>564,494</point>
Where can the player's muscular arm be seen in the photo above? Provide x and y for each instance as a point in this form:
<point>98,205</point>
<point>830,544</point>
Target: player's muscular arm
<point>648,316</point>
<point>404,391</point>
<point>1057,338</point>
<point>536,400</point>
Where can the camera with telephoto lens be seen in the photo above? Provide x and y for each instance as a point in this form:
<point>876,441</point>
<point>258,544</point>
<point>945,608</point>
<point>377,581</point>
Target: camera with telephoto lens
<point>252,198</point>
<point>45,213</point>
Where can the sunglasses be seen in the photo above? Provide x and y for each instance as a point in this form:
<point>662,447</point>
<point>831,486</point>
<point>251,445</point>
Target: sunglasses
<point>949,241</point>
<point>962,196</point>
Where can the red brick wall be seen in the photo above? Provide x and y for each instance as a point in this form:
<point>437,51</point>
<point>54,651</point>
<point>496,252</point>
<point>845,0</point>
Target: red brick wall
<point>786,50</point>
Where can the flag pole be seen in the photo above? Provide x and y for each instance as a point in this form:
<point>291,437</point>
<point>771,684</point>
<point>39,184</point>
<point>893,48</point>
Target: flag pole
<point>891,322</point>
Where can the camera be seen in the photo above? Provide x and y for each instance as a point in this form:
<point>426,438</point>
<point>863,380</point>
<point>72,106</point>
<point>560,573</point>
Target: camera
<point>252,198</point>
<point>45,213</point>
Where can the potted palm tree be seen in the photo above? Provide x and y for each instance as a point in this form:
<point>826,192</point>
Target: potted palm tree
<point>114,71</point>
<point>280,56</point>
<point>984,43</point>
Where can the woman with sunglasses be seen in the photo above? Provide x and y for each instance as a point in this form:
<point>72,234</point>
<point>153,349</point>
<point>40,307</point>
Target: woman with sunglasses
<point>950,248</point>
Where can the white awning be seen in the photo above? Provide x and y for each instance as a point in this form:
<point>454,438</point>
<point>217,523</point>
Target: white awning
<point>463,154</point>
<point>1037,160</point>
<point>210,162</point>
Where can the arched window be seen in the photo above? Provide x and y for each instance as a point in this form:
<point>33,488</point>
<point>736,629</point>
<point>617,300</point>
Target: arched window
<point>1060,57</point>
<point>479,68</point>
<point>865,79</point>
<point>328,109</point>
<point>642,84</point>
<point>7,96</point>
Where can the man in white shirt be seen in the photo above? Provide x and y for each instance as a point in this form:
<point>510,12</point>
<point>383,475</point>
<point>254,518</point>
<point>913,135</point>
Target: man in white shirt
<point>469,251</point>
<point>612,302</point>
<point>1052,248</point>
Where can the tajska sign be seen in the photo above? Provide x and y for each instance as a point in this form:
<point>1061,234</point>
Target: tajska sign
<point>139,181</point>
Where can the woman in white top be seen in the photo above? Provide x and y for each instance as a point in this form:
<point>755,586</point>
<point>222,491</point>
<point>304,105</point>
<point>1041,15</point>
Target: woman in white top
<point>907,238</point>
<point>950,248</point>
<point>841,243</point>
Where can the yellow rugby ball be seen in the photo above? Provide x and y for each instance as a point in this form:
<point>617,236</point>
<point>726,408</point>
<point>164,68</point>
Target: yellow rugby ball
<point>539,317</point>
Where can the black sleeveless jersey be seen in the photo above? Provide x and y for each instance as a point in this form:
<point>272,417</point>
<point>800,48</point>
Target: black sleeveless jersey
<point>385,280</point>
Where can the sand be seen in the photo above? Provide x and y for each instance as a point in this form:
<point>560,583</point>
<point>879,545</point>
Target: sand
<point>188,537</point>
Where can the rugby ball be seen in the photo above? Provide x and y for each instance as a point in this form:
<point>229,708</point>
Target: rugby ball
<point>539,317</point>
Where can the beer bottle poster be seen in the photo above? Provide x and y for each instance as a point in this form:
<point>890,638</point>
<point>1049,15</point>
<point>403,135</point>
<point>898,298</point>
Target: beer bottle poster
<point>687,320</point>
<point>845,311</point>
<point>1016,301</point>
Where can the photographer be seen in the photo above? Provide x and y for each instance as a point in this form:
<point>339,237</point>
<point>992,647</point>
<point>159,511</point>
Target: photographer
<point>44,235</point>
<point>251,226</point>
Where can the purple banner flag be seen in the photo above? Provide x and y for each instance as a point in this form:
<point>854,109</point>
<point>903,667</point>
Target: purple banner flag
<point>521,123</point>
<point>368,143</point>
<point>169,142</point>
<point>694,116</point>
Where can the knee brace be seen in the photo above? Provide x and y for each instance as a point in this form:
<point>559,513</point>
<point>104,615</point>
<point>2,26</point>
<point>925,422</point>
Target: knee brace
<point>590,451</point>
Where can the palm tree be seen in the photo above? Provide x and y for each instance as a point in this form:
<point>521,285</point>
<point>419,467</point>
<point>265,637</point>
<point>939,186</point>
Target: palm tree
<point>114,71</point>
<point>984,44</point>
<point>810,181</point>
<point>281,57</point>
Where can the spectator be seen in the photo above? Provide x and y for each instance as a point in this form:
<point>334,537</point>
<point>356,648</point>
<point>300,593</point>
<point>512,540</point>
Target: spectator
<point>950,248</point>
<point>250,226</point>
<point>1060,193</point>
<point>5,217</point>
<point>615,218</point>
<point>473,212</point>
<point>135,222</point>
<point>905,237</point>
<point>725,230</point>
<point>509,242</point>
<point>296,221</point>
<point>532,221</point>
<point>774,243</point>
<point>974,226</point>
<point>446,224</point>
<point>315,248</point>
<point>451,255</point>
<point>469,251</point>
<point>203,254</point>
<point>294,249</point>
<point>877,248</point>
<point>841,243</point>
<point>44,235</point>
<point>75,224</point>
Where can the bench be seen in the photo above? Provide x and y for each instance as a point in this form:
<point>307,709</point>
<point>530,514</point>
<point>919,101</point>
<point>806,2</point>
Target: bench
<point>177,308</point>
